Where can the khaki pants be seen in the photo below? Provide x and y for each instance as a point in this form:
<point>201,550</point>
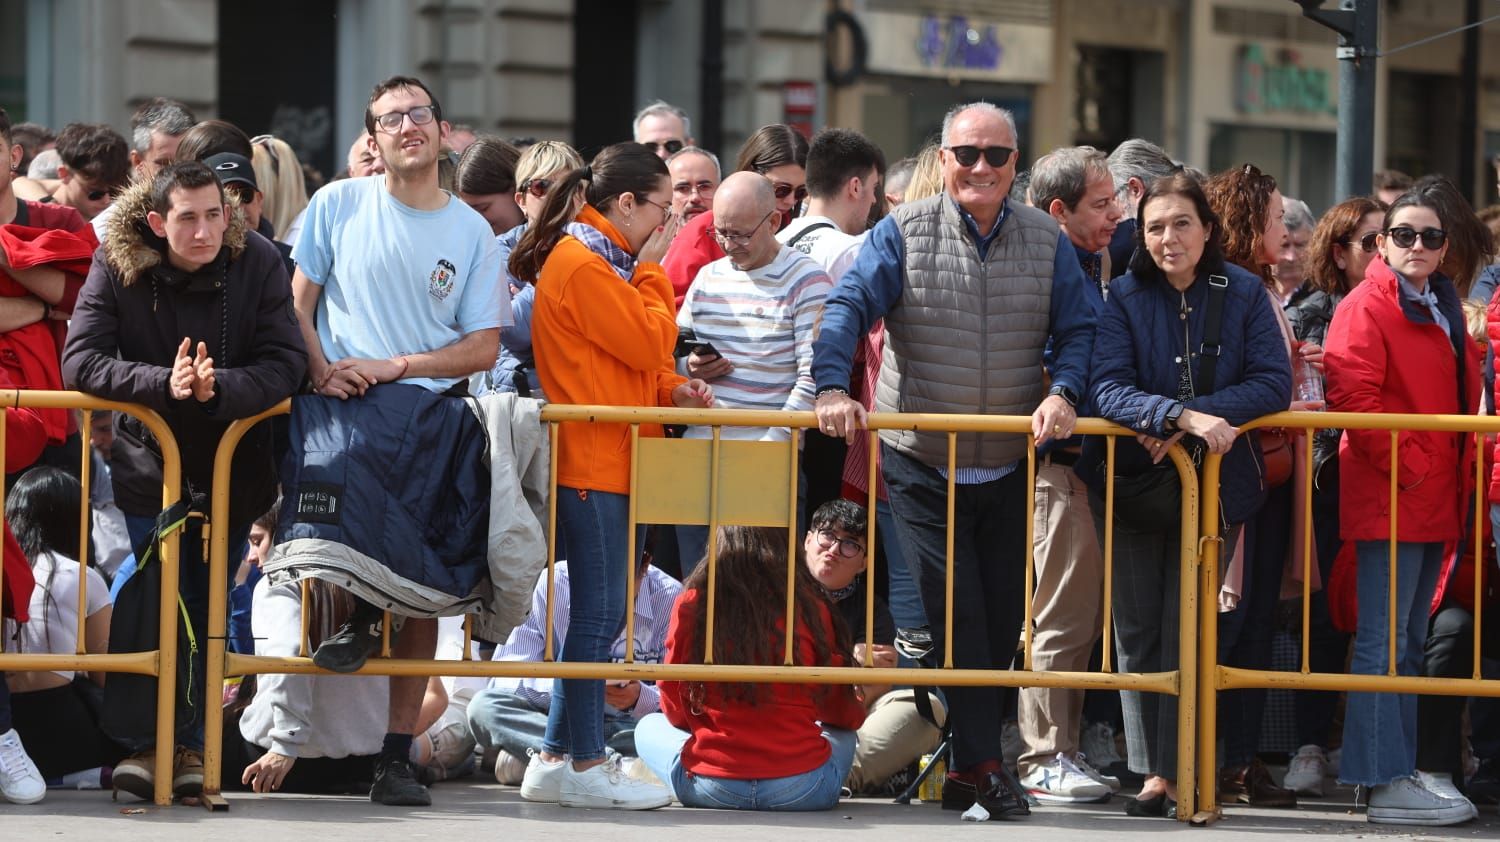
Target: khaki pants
<point>1066,609</point>
<point>893,735</point>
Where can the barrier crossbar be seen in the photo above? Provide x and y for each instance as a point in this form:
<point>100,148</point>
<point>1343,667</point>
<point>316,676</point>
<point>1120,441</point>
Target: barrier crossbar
<point>717,481</point>
<point>160,662</point>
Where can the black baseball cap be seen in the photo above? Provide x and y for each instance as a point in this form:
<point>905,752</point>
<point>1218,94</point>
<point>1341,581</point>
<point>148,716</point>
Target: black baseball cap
<point>231,169</point>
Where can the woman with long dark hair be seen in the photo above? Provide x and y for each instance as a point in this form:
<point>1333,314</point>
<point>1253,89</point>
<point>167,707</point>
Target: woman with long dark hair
<point>603,329</point>
<point>747,746</point>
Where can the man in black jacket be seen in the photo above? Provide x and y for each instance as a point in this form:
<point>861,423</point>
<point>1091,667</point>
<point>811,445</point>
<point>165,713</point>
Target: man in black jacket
<point>212,337</point>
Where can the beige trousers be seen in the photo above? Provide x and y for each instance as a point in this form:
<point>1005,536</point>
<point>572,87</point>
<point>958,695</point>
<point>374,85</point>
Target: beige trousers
<point>893,735</point>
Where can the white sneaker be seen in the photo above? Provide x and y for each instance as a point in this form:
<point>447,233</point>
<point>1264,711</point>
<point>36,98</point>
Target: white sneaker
<point>611,787</point>
<point>1441,785</point>
<point>510,770</point>
<point>1335,756</point>
<point>20,782</point>
<point>542,781</point>
<point>1308,771</point>
<point>1060,781</point>
<point>1098,743</point>
<point>1082,762</point>
<point>1011,744</point>
<point>1406,801</point>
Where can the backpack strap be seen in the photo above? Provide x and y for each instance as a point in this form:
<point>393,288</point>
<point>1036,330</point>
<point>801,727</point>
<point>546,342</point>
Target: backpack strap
<point>808,230</point>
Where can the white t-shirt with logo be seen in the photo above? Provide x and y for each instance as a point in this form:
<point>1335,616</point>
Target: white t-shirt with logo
<point>826,243</point>
<point>397,280</point>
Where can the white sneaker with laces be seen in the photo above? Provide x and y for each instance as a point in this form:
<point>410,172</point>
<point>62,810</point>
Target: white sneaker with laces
<point>1098,743</point>
<point>1082,762</point>
<point>20,782</point>
<point>609,786</point>
<point>542,781</point>
<point>1405,801</point>
<point>510,770</point>
<point>1441,785</point>
<point>1308,772</point>
<point>1060,781</point>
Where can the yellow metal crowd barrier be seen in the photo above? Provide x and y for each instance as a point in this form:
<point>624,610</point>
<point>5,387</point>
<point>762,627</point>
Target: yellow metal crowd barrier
<point>750,483</point>
<point>161,662</point>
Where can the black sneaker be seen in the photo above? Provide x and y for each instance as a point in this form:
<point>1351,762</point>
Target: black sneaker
<point>1002,795</point>
<point>395,786</point>
<point>354,642</point>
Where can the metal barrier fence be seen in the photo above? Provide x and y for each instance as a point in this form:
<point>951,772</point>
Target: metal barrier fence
<point>1214,677</point>
<point>161,662</point>
<point>751,483</point>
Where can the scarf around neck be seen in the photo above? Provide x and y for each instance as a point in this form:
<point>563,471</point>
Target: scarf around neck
<point>618,259</point>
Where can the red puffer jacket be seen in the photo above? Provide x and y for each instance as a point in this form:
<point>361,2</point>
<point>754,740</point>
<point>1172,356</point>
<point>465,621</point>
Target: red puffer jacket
<point>1385,354</point>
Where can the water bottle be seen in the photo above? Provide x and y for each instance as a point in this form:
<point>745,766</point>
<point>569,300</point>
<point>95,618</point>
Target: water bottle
<point>1309,385</point>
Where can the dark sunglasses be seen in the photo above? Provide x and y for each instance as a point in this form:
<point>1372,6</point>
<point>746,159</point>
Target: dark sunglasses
<point>1404,237</point>
<point>968,156</point>
<point>672,146</point>
<point>1366,243</point>
<point>784,190</point>
<point>537,187</point>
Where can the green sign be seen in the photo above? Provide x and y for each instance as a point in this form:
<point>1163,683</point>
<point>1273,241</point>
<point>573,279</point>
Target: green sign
<point>1279,84</point>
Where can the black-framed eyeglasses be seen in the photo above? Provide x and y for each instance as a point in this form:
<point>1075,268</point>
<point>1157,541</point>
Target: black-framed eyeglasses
<point>1366,243</point>
<point>686,188</point>
<point>847,547</point>
<point>391,121</point>
<point>968,156</point>
<point>1406,237</point>
<point>729,239</point>
<point>537,187</point>
<point>672,146</point>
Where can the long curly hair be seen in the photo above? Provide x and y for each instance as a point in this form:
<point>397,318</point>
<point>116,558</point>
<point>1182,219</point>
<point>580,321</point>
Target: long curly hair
<point>1336,230</point>
<point>750,609</point>
<point>1241,198</point>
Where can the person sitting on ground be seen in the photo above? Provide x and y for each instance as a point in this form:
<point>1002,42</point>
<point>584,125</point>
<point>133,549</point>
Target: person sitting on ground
<point>509,718</point>
<point>754,746</point>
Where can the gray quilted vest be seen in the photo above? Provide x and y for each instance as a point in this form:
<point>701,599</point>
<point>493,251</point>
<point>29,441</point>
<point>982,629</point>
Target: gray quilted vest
<point>967,335</point>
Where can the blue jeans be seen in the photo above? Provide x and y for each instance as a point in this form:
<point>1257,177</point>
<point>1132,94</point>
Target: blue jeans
<point>1380,729</point>
<point>192,584</point>
<point>660,745</point>
<point>904,599</point>
<point>596,526</point>
<point>503,720</point>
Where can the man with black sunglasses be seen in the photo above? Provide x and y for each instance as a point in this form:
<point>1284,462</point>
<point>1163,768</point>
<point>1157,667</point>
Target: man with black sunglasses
<point>972,289</point>
<point>95,165</point>
<point>664,128</point>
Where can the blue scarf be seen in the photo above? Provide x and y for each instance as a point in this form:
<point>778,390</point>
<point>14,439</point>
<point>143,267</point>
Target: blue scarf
<point>617,258</point>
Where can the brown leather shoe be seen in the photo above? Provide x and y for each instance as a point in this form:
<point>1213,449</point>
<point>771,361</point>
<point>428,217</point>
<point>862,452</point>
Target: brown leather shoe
<point>1254,785</point>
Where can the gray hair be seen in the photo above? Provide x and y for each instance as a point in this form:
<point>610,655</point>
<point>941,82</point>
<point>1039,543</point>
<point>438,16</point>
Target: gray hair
<point>1065,174</point>
<point>987,107</point>
<point>697,150</point>
<point>899,175</point>
<point>1142,159</point>
<point>663,109</point>
<point>167,116</point>
<point>1298,215</point>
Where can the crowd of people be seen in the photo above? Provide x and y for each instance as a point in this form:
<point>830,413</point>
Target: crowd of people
<point>419,306</point>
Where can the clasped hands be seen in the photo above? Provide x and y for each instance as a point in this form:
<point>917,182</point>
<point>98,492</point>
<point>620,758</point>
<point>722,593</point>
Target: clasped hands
<point>192,376</point>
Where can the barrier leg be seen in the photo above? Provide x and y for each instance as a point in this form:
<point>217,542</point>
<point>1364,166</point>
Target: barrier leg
<point>1187,673</point>
<point>218,635</point>
<point>166,671</point>
<point>1208,808</point>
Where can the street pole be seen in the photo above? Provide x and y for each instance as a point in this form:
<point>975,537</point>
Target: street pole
<point>1357,24</point>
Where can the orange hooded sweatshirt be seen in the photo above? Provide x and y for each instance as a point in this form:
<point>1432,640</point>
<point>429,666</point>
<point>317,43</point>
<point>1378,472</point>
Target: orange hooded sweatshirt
<point>599,339</point>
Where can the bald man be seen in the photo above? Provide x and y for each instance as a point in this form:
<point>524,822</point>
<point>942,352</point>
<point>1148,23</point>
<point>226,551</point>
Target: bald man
<point>754,313</point>
<point>364,157</point>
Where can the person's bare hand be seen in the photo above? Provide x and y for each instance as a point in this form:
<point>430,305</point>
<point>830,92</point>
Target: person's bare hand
<point>1217,433</point>
<point>882,656</point>
<point>708,368</point>
<point>693,394</point>
<point>373,371</point>
<point>622,695</point>
<point>840,416</point>
<point>1053,419</point>
<point>183,373</point>
<point>654,250</point>
<point>203,370</point>
<point>1158,447</point>
<point>1313,353</point>
<point>343,383</point>
<point>268,772</point>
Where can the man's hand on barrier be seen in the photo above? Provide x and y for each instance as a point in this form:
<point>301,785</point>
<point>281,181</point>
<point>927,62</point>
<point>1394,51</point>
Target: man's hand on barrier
<point>267,773</point>
<point>1217,433</point>
<point>203,374</point>
<point>839,415</point>
<point>693,394</point>
<point>882,656</point>
<point>1157,447</point>
<point>183,373</point>
<point>622,695</point>
<point>1054,419</point>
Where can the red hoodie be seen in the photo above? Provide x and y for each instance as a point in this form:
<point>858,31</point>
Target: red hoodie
<point>24,439</point>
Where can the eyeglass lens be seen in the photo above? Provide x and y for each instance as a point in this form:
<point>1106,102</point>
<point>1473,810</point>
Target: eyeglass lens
<point>968,156</point>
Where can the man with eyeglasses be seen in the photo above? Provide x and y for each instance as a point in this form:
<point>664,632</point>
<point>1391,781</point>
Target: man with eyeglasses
<point>95,165</point>
<point>972,289</point>
<point>397,286</point>
<point>664,128</point>
<point>695,177</point>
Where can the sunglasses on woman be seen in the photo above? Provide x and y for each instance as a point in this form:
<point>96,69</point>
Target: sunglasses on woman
<point>1366,243</point>
<point>1405,237</point>
<point>537,187</point>
<point>968,156</point>
<point>784,190</point>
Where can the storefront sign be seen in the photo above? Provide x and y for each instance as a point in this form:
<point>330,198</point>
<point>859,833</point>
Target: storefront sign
<point>1280,83</point>
<point>958,46</point>
<point>799,102</point>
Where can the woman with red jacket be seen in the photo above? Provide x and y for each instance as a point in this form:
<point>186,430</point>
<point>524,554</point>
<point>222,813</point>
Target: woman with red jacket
<point>743,746</point>
<point>1398,343</point>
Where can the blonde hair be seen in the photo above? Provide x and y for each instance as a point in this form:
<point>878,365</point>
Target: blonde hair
<point>279,175</point>
<point>927,176</point>
<point>542,159</point>
<point>1474,315</point>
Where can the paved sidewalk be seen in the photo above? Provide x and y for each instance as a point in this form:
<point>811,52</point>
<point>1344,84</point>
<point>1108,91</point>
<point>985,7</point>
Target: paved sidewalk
<point>470,810</point>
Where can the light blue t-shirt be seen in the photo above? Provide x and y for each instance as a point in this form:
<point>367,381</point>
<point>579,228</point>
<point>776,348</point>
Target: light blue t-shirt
<point>398,280</point>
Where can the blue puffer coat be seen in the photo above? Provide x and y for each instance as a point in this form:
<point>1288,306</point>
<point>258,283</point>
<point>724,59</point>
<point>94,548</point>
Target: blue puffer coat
<point>1136,346</point>
<point>388,496</point>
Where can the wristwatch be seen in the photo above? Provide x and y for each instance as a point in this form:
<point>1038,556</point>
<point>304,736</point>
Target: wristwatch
<point>1174,413</point>
<point>1065,393</point>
